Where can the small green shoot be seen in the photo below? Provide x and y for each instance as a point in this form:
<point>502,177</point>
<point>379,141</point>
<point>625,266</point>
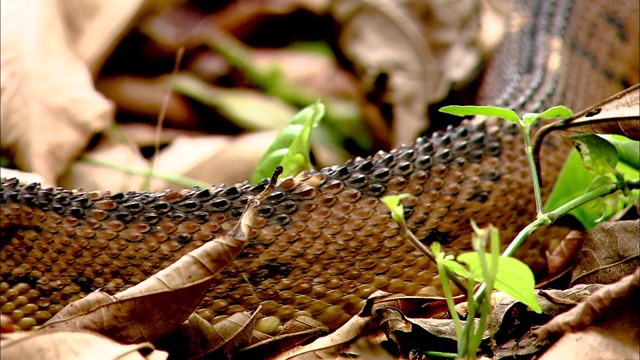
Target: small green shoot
<point>393,203</point>
<point>502,272</point>
<point>472,110</point>
<point>292,145</point>
<point>507,274</point>
<point>549,114</point>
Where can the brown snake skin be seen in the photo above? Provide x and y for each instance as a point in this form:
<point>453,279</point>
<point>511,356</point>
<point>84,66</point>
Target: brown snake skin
<point>324,241</point>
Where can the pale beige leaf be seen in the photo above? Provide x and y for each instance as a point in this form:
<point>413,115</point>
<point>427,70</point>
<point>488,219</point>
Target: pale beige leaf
<point>96,26</point>
<point>202,157</point>
<point>72,345</point>
<point>49,107</point>
<point>411,51</point>
<point>90,177</point>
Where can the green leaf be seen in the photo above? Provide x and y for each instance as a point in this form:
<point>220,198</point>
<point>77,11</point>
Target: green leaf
<point>291,146</point>
<point>551,113</point>
<point>503,113</point>
<point>598,155</point>
<point>628,150</point>
<point>529,118</point>
<point>556,112</point>
<point>574,180</point>
<point>455,267</point>
<point>514,277</point>
<point>393,203</point>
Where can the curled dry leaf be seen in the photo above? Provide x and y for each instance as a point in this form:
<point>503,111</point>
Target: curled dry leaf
<point>71,345</point>
<point>330,346</point>
<point>562,256</point>
<point>220,340</point>
<point>615,115</point>
<point>599,305</point>
<point>160,305</point>
<point>46,89</point>
<point>294,333</point>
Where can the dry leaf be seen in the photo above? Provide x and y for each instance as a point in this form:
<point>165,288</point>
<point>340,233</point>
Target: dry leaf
<point>202,157</point>
<point>46,90</point>
<point>145,97</point>
<point>618,114</point>
<point>88,176</point>
<point>507,333</point>
<point>610,251</point>
<point>613,335</point>
<point>599,305</point>
<point>222,339</point>
<point>397,52</point>
<point>71,345</point>
<point>564,253</point>
<point>330,346</point>
<point>294,333</point>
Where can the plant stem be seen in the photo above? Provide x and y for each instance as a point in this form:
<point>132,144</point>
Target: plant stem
<point>525,129</point>
<point>408,235</point>
<point>550,217</point>
<point>179,180</point>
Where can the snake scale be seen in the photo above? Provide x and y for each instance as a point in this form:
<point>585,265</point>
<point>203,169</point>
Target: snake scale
<point>323,241</point>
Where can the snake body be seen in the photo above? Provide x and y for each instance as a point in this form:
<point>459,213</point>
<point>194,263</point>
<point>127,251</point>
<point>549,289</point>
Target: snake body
<point>323,241</point>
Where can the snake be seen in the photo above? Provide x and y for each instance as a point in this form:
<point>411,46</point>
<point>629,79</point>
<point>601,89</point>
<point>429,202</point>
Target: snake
<point>323,242</point>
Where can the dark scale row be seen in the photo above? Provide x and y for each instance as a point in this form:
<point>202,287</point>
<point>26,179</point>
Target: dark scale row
<point>464,144</point>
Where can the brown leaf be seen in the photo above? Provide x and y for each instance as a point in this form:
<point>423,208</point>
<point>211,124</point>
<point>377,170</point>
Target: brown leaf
<point>222,339</point>
<point>159,305</point>
<point>398,55</point>
<point>597,306</point>
<point>72,344</point>
<point>564,253</point>
<point>294,332</point>
<point>506,333</point>
<point>615,115</point>
<point>610,251</point>
<point>46,89</point>
<point>145,97</point>
<point>330,346</point>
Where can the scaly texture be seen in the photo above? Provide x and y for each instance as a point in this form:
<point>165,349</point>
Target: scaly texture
<point>324,241</point>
